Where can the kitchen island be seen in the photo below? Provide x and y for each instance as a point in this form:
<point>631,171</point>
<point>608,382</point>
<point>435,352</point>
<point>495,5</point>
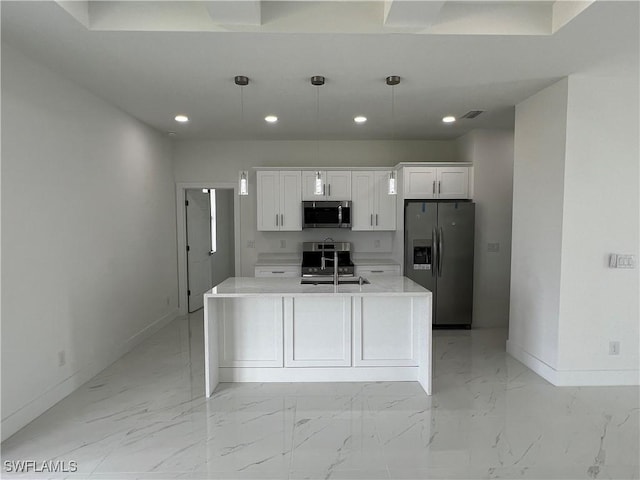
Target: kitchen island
<point>279,330</point>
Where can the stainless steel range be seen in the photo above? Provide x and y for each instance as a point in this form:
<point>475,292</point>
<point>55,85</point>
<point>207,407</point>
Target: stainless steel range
<point>318,259</point>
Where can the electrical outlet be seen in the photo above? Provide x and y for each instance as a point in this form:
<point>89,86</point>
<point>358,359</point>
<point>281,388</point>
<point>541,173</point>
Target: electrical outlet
<point>376,244</point>
<point>493,247</point>
<point>251,244</point>
<point>62,358</point>
<point>283,244</point>
<point>614,348</point>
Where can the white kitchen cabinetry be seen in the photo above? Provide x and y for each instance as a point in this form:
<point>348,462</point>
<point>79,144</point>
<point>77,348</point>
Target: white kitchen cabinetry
<point>279,197</point>
<point>336,185</point>
<point>369,270</point>
<point>448,182</point>
<point>385,332</point>
<point>277,271</point>
<point>306,345</point>
<point>373,208</point>
<point>250,331</point>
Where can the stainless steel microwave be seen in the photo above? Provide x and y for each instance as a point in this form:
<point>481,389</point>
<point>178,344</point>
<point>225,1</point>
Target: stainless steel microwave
<point>326,214</point>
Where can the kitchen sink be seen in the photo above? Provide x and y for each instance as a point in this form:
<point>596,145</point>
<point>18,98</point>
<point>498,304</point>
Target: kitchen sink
<point>329,281</point>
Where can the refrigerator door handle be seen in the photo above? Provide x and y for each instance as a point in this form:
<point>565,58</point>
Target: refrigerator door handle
<point>434,252</point>
<point>440,251</point>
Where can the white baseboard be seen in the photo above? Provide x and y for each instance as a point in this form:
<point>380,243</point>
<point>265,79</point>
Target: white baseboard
<point>149,330</point>
<point>574,378</point>
<point>32,410</point>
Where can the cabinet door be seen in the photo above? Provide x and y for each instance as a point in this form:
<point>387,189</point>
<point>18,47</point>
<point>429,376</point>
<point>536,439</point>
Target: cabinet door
<point>362,216</point>
<point>385,332</point>
<point>290,200</point>
<point>453,182</point>
<point>385,204</point>
<point>419,182</point>
<point>338,185</point>
<point>317,332</point>
<point>250,333</point>
<point>268,198</point>
<point>309,185</point>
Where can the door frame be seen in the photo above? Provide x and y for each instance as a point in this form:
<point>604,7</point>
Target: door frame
<point>181,221</point>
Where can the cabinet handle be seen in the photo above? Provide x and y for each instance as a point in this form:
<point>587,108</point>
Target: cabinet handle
<point>324,189</point>
<point>277,272</point>
<point>372,219</point>
<point>434,187</point>
<point>438,187</point>
<point>329,190</point>
<point>377,271</point>
<point>376,219</point>
<point>276,219</point>
<point>282,220</point>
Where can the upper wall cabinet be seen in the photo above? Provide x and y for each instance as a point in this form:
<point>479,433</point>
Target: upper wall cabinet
<point>373,208</point>
<point>448,182</point>
<point>336,185</point>
<point>279,197</point>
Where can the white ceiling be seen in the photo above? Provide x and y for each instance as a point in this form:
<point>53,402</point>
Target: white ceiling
<point>157,59</point>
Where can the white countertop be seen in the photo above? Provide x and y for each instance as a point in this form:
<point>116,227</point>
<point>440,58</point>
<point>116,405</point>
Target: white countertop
<point>381,285</point>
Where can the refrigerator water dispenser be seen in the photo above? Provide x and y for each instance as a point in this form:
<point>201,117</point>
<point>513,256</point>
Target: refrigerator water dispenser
<point>422,255</point>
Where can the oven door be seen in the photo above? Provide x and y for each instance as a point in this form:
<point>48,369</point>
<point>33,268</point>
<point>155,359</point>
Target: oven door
<point>326,215</point>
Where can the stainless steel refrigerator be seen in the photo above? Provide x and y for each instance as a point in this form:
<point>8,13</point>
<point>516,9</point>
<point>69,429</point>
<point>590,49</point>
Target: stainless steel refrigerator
<point>439,256</point>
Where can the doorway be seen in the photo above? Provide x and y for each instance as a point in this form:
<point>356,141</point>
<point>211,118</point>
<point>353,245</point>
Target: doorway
<point>209,242</point>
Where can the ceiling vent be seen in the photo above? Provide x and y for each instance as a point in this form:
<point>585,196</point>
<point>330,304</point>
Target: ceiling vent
<point>472,114</point>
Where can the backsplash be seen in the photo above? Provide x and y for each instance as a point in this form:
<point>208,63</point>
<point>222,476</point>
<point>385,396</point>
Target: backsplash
<point>291,242</point>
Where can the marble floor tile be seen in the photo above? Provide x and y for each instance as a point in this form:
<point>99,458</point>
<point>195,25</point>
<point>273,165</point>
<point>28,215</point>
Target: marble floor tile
<point>145,417</point>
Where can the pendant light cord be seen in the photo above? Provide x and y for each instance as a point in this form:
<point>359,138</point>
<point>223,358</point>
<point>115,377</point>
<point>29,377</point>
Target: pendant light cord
<point>318,125</point>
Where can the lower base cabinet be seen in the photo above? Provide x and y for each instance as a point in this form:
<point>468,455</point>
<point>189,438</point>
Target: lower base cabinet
<point>317,332</point>
<point>250,333</point>
<point>385,332</point>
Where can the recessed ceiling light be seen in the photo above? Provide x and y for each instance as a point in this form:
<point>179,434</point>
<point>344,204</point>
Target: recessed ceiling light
<point>181,118</point>
<point>271,119</point>
<point>360,119</point>
<point>171,134</point>
<point>449,119</point>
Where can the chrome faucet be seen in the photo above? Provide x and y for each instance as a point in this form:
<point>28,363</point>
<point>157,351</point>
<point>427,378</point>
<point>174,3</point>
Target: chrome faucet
<point>323,265</point>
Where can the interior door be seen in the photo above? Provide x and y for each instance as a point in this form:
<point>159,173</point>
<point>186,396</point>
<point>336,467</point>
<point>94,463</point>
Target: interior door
<point>198,217</point>
<point>454,300</point>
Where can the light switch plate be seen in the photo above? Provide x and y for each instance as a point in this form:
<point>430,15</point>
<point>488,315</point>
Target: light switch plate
<point>617,260</point>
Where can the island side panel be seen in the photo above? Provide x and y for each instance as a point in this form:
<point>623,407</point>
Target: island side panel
<point>422,313</point>
<point>211,362</point>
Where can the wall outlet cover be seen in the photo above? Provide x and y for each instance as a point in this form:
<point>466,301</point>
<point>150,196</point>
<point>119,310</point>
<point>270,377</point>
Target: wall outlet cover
<point>614,348</point>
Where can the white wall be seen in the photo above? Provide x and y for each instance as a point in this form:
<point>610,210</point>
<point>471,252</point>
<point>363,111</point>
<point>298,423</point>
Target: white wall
<point>601,216</point>
<point>538,188</point>
<point>220,161</point>
<point>222,261</point>
<point>88,236</point>
<point>576,199</point>
<point>491,152</point>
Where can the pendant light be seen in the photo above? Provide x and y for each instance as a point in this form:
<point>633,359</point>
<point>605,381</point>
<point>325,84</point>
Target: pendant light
<point>392,81</point>
<point>243,175</point>
<point>318,81</point>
